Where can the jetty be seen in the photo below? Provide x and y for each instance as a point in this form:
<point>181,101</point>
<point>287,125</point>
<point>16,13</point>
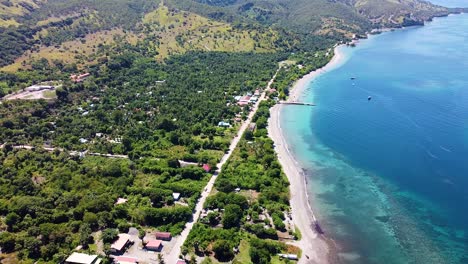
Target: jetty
<point>297,103</point>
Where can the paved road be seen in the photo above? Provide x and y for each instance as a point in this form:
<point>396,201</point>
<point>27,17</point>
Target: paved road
<point>172,256</point>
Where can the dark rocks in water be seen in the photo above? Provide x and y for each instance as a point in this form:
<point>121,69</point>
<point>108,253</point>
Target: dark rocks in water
<point>318,228</point>
<point>383,218</point>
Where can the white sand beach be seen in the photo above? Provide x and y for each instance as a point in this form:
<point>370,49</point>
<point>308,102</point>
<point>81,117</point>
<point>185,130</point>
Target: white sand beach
<point>315,248</point>
<point>301,84</point>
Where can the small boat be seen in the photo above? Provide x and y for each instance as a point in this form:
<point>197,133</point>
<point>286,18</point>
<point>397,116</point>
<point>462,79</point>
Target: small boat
<point>353,78</point>
<point>369,98</point>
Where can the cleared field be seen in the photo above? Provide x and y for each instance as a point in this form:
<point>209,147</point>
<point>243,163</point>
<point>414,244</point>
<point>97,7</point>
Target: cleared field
<point>25,95</point>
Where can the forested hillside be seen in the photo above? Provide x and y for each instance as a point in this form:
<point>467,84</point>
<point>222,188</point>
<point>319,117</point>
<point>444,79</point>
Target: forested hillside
<point>29,30</point>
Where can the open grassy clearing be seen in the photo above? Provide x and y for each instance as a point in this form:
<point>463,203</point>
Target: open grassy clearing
<point>8,22</point>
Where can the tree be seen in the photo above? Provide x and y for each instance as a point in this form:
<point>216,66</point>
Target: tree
<point>232,216</point>
<point>7,242</point>
<point>85,233</point>
<point>213,218</point>
<point>173,163</point>
<point>223,250</point>
<point>62,94</point>
<point>12,219</point>
<point>109,235</point>
<point>91,219</point>
<point>224,185</point>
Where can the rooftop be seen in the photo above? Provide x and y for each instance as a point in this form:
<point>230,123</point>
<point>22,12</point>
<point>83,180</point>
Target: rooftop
<point>154,244</point>
<point>125,260</point>
<point>121,242</point>
<point>81,258</point>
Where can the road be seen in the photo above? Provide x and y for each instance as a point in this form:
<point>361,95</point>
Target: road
<point>71,152</point>
<point>172,256</point>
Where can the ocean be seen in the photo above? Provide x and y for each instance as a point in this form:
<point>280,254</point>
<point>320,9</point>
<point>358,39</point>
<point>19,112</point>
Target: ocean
<point>388,177</point>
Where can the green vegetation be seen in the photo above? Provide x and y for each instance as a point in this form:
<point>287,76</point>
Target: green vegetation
<point>64,199</point>
<point>162,75</point>
<point>257,211</point>
<point>128,112</point>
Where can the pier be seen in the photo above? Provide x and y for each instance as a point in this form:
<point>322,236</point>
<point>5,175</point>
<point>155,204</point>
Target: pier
<point>296,103</point>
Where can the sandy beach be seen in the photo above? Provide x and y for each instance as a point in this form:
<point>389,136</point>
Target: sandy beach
<point>299,86</point>
<point>316,248</point>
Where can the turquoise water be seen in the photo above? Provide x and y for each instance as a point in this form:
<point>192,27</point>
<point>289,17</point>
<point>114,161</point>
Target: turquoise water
<point>388,177</point>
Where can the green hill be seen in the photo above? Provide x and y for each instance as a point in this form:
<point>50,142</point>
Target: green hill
<point>33,29</point>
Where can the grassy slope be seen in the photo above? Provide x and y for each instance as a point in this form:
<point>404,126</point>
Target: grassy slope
<point>168,31</point>
<point>179,31</point>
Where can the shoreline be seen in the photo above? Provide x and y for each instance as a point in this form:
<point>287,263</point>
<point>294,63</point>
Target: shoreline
<point>315,247</point>
<point>300,85</point>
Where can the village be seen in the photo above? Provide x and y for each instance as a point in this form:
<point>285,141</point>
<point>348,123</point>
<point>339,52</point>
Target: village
<point>154,246</point>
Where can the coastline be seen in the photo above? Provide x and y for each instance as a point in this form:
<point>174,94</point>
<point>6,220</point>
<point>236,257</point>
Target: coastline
<point>315,247</point>
<point>301,84</point>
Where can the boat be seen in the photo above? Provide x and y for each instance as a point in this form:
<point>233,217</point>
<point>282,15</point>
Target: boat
<point>369,98</point>
<point>353,78</point>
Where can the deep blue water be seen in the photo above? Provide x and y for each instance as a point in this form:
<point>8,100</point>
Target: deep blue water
<point>389,177</point>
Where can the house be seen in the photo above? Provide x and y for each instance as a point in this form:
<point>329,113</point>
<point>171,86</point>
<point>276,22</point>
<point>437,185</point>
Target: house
<point>121,243</point>
<point>252,127</point>
<point>242,103</point>
<point>272,90</point>
<point>154,245</point>
<point>83,140</point>
<point>257,92</point>
<point>180,261</point>
<point>81,258</point>
<point>237,189</point>
<point>245,98</point>
<point>79,78</point>
<point>224,124</point>
<point>237,98</point>
<point>288,256</point>
<point>206,167</point>
<point>166,236</point>
<point>176,196</point>
<point>125,260</point>
<point>121,201</point>
<point>253,99</point>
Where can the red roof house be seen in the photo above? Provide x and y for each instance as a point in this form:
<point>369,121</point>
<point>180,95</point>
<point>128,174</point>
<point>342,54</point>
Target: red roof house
<point>155,245</point>
<point>163,236</point>
<point>125,260</point>
<point>181,262</point>
<point>206,167</point>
